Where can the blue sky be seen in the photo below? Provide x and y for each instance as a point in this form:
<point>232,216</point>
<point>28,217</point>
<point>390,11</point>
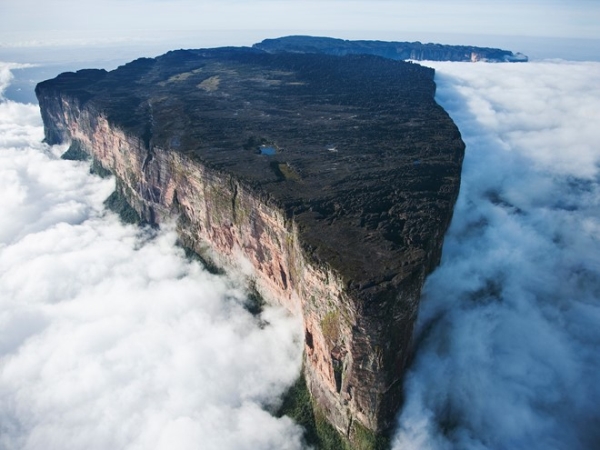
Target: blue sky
<point>23,21</point>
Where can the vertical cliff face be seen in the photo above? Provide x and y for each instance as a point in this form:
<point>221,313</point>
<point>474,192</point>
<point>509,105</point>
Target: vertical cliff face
<point>347,248</point>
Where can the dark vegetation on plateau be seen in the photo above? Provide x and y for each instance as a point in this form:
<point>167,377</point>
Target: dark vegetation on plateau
<point>364,154</point>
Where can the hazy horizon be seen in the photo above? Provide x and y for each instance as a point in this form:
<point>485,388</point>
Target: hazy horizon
<point>51,59</point>
<point>28,19</point>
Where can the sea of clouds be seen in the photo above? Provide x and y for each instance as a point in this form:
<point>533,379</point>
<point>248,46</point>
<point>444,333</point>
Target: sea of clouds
<point>109,337</point>
<point>508,337</point>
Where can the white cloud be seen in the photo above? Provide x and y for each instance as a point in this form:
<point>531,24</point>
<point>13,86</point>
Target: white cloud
<point>508,331</point>
<point>6,75</point>
<point>109,337</point>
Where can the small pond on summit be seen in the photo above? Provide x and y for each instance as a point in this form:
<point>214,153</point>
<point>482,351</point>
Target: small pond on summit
<point>267,150</point>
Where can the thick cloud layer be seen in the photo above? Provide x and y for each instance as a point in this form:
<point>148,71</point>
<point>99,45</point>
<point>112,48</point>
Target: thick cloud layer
<point>109,337</point>
<point>509,333</point>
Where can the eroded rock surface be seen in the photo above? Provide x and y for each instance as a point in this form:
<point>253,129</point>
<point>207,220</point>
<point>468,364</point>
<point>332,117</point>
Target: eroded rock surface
<point>330,179</point>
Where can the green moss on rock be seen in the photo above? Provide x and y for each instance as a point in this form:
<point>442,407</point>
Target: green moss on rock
<point>98,169</point>
<point>117,203</point>
<point>365,439</point>
<point>193,255</point>
<point>330,326</point>
<point>299,406</point>
<point>75,152</point>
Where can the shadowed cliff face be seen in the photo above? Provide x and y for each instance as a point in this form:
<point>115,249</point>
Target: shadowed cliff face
<point>329,181</point>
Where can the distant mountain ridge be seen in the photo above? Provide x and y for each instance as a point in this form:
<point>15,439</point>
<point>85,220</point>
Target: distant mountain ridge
<point>388,49</point>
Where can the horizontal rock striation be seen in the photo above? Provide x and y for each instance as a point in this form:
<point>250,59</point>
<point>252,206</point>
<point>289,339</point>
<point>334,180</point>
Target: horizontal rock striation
<point>415,51</point>
<point>329,180</point>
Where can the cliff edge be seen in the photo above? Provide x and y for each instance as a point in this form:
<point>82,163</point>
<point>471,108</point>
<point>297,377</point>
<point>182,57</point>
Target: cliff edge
<point>330,180</point>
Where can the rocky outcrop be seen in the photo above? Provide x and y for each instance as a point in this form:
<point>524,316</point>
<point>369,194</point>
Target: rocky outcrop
<point>329,181</point>
<point>415,51</point>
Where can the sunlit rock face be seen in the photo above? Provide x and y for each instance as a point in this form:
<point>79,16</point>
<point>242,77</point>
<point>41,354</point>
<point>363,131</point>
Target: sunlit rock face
<point>328,181</point>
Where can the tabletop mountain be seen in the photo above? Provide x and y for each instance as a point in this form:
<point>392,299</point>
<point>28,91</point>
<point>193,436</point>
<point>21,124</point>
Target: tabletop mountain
<point>328,180</point>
